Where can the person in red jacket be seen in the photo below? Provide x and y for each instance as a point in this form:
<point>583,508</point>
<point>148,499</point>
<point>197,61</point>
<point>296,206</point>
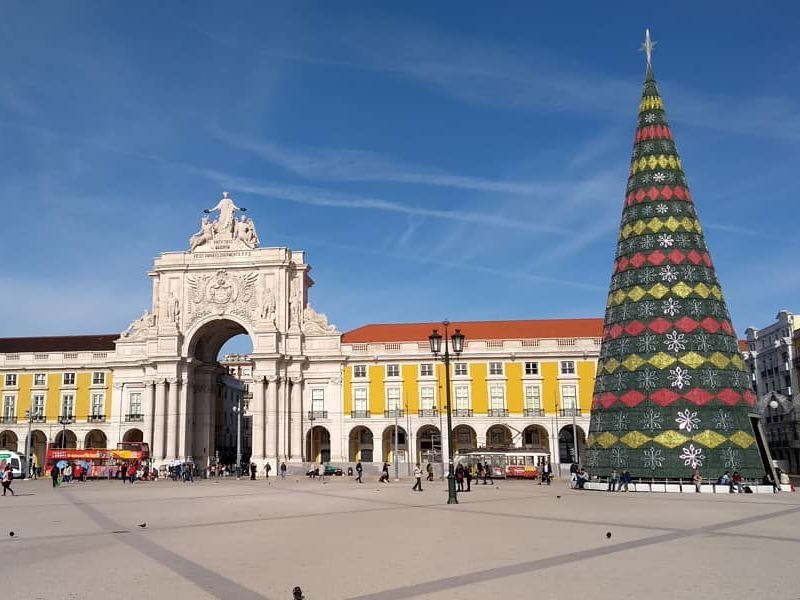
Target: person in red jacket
<point>132,472</point>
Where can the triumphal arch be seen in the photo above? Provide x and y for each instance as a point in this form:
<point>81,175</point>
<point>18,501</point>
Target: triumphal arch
<point>224,285</point>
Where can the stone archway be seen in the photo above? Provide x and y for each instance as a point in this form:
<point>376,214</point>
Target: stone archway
<point>133,435</point>
<point>38,447</point>
<point>8,441</point>
<point>464,438</point>
<point>318,445</point>
<point>534,437</point>
<point>429,445</point>
<point>388,445</point>
<point>95,439</point>
<point>566,445</point>
<point>499,436</point>
<point>360,444</point>
<point>65,439</point>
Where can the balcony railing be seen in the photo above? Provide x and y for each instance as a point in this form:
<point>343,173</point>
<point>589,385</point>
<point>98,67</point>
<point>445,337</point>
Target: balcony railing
<point>568,412</point>
<point>8,419</point>
<point>428,412</point>
<point>37,418</point>
<point>462,412</point>
<point>534,412</point>
<point>317,414</point>
<point>134,418</point>
<point>66,419</point>
<point>359,414</point>
<point>498,412</point>
<point>97,418</point>
<point>392,413</point>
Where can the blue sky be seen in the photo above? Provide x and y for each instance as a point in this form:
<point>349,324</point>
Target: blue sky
<point>460,160</point>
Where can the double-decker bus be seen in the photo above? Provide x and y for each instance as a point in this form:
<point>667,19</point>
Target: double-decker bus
<point>524,464</point>
<point>99,462</point>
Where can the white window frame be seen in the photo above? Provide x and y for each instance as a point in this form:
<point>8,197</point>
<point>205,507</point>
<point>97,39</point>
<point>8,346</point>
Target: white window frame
<point>98,380</point>
<point>11,380</point>
<point>426,369</point>
<point>564,397</point>
<point>492,396</point>
<point>135,402</point>
<point>460,369</point>
<point>359,371</point>
<point>67,400</point>
<point>462,401</point>
<point>38,405</point>
<point>393,371</point>
<point>531,367</point>
<point>427,402</point>
<point>68,378</point>
<point>394,398</point>
<point>98,399</point>
<point>317,400</point>
<point>493,367</point>
<point>43,377</point>
<point>356,399</point>
<point>568,367</point>
<point>533,396</point>
<point>9,405</point>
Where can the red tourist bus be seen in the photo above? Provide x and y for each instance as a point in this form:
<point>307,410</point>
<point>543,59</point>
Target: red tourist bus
<point>102,462</point>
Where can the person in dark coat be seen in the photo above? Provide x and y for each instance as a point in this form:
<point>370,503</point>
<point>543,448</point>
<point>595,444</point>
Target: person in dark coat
<point>359,469</point>
<point>253,471</point>
<point>54,473</point>
<point>460,478</point>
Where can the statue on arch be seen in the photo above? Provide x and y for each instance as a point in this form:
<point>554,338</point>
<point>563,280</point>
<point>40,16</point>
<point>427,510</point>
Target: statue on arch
<point>204,236</point>
<point>140,325</point>
<point>227,209</point>
<point>245,231</point>
<point>268,306</point>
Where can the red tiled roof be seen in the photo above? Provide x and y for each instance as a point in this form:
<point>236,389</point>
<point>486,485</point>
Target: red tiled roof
<point>743,347</point>
<point>478,330</point>
<point>68,343</point>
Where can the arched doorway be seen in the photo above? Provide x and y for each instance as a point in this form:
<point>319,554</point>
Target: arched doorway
<point>8,441</point>
<point>95,439</point>
<point>464,438</point>
<point>318,445</point>
<point>133,435</point>
<point>360,445</point>
<point>499,436</point>
<point>566,445</point>
<point>388,445</point>
<point>65,439</point>
<point>534,437</point>
<point>38,447</point>
<point>429,445</point>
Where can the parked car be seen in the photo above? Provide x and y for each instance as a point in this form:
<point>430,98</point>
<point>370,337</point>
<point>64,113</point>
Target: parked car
<point>333,470</point>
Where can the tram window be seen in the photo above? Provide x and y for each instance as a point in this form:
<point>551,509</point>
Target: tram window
<point>530,460</point>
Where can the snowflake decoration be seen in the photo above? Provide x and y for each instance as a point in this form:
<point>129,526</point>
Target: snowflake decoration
<point>647,210</point>
<point>647,379</point>
<point>668,273</point>
<point>675,341</point>
<point>622,345</point>
<point>723,420</point>
<point>661,209</point>
<point>597,422</point>
<point>648,342</point>
<point>599,385</point>
<point>689,272</point>
<point>730,344</point>
<point>659,177</point>
<point>676,208</point>
<point>716,308</point>
<point>670,177</point>
<point>627,278</point>
<point>692,457</point>
<point>619,380</point>
<point>620,422</point>
<point>649,118</point>
<point>619,457</point>
<point>653,458</point>
<point>665,145</point>
<point>671,306</point>
<point>647,146</point>
<point>651,420</point>
<point>695,308</point>
<point>682,239</point>
<point>732,458</point>
<point>709,378</point>
<point>680,377</point>
<point>687,420</point>
<point>625,312</point>
<point>648,275</point>
<point>665,240</point>
<point>592,457</point>
<point>646,242</point>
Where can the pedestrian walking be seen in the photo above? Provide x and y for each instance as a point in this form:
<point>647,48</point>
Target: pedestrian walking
<point>547,473</point>
<point>267,469</point>
<point>460,478</point>
<point>55,472</point>
<point>429,470</point>
<point>468,475</point>
<point>612,481</point>
<point>418,475</point>
<point>8,476</point>
<point>384,473</point>
<point>132,473</point>
<point>359,469</point>
<point>487,473</point>
<point>253,469</point>
<point>697,478</point>
<point>283,470</point>
<point>67,474</point>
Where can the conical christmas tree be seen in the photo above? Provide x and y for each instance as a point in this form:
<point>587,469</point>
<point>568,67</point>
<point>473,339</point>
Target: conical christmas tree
<point>671,392</point>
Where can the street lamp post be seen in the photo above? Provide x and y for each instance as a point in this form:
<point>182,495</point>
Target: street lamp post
<point>29,415</point>
<point>312,458</point>
<point>457,340</point>
<point>238,410</point>
<point>64,420</point>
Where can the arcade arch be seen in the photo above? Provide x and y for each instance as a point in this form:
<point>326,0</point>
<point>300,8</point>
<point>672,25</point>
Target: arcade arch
<point>465,438</point>
<point>133,435</point>
<point>39,446</point>
<point>360,447</point>
<point>65,438</point>
<point>318,445</point>
<point>388,444</point>
<point>566,445</point>
<point>8,441</point>
<point>534,437</point>
<point>95,439</point>
<point>429,445</point>
<point>499,436</point>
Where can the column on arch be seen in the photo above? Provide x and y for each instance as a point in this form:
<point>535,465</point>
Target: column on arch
<point>296,419</point>
<point>159,420</point>
<point>183,423</point>
<point>258,415</point>
<point>172,420</point>
<point>271,419</point>
<point>148,412</point>
<point>282,420</point>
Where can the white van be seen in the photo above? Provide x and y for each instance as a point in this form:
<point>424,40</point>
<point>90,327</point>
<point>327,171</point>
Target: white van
<point>14,459</point>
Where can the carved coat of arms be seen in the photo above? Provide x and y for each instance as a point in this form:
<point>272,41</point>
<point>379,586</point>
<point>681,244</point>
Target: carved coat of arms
<point>222,292</point>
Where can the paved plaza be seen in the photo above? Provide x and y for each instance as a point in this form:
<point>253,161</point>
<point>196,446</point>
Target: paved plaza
<point>251,540</point>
